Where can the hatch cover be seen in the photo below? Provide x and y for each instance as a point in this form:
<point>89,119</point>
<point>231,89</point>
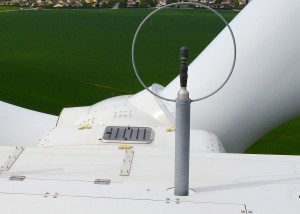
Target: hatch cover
<point>128,134</point>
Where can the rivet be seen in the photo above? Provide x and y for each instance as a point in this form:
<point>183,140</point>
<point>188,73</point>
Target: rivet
<point>55,195</point>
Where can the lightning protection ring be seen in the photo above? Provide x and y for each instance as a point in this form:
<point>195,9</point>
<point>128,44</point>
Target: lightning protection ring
<point>183,3</point>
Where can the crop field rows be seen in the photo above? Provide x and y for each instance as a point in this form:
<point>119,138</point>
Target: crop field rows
<point>51,59</point>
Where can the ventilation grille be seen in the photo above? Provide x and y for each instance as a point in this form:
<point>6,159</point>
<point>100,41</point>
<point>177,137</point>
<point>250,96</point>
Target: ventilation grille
<point>128,134</point>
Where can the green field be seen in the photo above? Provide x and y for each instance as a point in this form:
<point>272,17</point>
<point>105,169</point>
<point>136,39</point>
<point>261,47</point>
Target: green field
<point>61,58</point>
<point>6,8</point>
<point>51,59</point>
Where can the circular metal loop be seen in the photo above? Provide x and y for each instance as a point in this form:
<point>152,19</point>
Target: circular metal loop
<point>182,3</point>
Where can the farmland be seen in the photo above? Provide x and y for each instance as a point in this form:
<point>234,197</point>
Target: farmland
<point>8,8</point>
<point>50,59</point>
<point>58,58</point>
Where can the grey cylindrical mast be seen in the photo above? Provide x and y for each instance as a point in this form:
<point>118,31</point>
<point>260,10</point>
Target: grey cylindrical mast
<point>182,134</point>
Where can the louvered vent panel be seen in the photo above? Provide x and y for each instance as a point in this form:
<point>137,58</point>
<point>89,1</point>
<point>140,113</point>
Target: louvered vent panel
<point>128,134</point>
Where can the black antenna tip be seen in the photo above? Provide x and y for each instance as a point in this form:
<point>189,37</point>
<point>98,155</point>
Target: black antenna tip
<point>184,53</point>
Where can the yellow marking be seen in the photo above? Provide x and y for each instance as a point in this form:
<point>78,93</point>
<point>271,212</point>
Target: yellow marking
<point>171,129</point>
<point>124,146</point>
<point>85,126</point>
<point>104,86</point>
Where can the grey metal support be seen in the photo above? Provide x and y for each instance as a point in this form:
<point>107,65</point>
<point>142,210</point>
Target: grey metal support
<point>182,134</point>
<point>182,146</point>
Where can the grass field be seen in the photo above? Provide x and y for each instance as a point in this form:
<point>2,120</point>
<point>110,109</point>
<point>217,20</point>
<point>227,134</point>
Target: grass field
<point>52,59</point>
<point>5,8</point>
<point>62,58</point>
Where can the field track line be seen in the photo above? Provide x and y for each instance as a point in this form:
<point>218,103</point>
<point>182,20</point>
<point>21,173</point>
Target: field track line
<point>116,89</point>
<point>7,11</point>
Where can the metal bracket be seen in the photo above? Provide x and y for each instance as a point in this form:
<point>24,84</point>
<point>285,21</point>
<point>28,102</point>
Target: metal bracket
<point>127,161</point>
<point>17,178</point>
<point>102,181</point>
<point>12,157</point>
